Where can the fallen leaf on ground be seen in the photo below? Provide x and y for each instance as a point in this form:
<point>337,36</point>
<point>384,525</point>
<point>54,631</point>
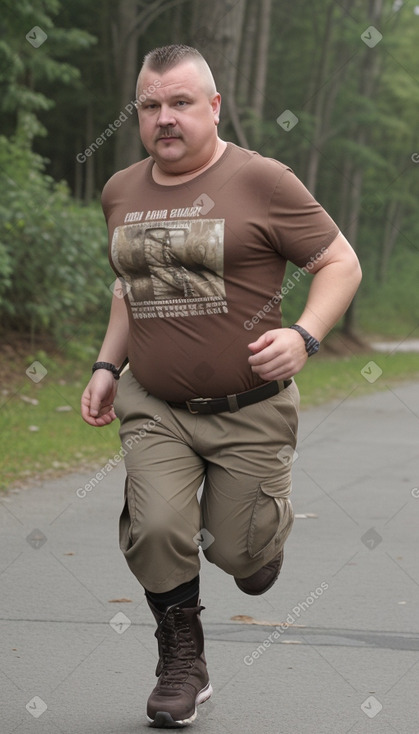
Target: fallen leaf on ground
<point>119,601</point>
<point>291,642</point>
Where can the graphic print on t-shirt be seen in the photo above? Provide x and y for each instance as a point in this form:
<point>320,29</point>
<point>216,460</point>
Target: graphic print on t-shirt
<point>172,269</point>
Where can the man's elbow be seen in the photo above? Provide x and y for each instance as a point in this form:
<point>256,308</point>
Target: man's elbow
<point>355,270</point>
<point>349,258</point>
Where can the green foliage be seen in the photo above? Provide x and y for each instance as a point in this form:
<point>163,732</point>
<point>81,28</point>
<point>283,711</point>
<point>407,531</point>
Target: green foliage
<point>384,307</point>
<point>56,98</point>
<point>25,69</point>
<point>54,268</point>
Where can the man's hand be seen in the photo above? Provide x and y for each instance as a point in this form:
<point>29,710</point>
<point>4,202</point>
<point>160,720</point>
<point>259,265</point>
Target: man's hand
<point>97,399</point>
<point>278,354</point>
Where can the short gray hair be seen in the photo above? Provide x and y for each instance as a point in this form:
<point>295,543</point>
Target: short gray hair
<point>163,58</point>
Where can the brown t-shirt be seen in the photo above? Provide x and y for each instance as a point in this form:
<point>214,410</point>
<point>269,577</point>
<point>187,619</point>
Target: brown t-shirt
<point>203,264</point>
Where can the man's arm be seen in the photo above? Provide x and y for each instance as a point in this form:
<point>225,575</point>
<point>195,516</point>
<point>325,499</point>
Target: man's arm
<point>97,399</point>
<point>280,353</point>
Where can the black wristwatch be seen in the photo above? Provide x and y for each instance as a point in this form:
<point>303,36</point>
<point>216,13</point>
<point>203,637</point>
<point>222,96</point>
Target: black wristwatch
<point>312,345</point>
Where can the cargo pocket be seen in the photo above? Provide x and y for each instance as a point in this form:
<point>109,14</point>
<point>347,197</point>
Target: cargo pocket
<point>285,406</point>
<point>272,516</point>
<point>125,521</point>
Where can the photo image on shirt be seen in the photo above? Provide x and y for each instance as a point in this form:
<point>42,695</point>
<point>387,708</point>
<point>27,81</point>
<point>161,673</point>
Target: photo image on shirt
<point>172,268</point>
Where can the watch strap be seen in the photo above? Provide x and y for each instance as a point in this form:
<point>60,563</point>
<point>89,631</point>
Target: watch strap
<point>311,343</point>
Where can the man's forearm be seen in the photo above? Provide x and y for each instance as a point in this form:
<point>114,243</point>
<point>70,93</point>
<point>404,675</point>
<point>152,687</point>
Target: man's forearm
<point>115,344</point>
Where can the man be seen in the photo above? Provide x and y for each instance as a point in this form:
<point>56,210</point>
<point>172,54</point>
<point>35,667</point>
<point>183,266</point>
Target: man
<point>200,233</point>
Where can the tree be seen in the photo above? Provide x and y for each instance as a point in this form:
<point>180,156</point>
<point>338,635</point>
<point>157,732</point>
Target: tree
<point>354,141</point>
<point>28,62</point>
<point>216,31</point>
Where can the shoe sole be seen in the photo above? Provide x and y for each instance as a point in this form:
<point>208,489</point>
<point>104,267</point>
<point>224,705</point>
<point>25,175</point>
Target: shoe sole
<point>259,591</point>
<point>164,720</point>
<point>268,586</point>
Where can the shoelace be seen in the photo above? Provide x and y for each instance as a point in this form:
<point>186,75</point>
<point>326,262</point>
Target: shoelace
<point>177,648</point>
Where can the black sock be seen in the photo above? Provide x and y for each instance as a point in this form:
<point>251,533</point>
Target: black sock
<point>185,595</point>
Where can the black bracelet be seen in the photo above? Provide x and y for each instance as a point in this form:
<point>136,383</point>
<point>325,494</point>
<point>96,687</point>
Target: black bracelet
<point>110,367</point>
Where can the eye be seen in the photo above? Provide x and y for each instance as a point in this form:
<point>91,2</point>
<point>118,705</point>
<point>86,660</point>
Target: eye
<point>181,103</point>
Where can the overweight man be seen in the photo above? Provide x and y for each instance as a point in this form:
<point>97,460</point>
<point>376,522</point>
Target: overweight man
<point>200,233</point>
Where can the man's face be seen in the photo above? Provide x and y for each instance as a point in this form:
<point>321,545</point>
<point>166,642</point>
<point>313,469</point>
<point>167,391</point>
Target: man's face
<point>178,122</point>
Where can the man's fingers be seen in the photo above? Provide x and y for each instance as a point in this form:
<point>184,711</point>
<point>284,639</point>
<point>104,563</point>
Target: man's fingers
<point>97,409</point>
<point>271,366</point>
<point>105,419</point>
<point>89,406</point>
<point>263,341</point>
<point>101,420</point>
<point>94,407</point>
<point>264,355</point>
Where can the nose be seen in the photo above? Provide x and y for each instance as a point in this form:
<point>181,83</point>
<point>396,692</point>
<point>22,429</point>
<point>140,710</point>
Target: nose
<point>166,117</point>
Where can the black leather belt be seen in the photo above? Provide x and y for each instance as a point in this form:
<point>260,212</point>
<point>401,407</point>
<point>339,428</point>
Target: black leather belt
<point>232,403</point>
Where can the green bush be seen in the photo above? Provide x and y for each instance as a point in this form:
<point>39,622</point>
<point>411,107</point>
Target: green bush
<point>54,271</point>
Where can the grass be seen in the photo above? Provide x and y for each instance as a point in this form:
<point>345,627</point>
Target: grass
<point>329,378</point>
<point>44,436</point>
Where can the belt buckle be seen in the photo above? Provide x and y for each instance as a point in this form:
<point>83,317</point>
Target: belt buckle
<point>196,400</point>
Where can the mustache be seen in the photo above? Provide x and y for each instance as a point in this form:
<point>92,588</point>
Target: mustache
<point>167,132</point>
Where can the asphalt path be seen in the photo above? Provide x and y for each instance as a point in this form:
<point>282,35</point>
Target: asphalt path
<point>332,648</point>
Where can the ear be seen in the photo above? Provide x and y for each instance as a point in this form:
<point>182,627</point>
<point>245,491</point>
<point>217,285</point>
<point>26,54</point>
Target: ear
<point>216,106</point>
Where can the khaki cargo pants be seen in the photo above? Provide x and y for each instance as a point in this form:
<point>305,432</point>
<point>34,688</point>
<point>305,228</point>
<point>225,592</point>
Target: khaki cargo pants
<point>243,458</point>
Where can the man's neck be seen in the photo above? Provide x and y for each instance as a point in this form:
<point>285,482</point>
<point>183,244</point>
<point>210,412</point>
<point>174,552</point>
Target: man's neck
<point>165,178</point>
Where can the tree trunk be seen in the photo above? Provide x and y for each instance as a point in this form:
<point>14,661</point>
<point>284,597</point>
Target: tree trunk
<point>320,98</point>
<point>217,34</point>
<point>391,232</point>
<point>368,76</point>
<point>343,214</point>
<point>247,52</point>
<point>78,174</point>
<point>177,26</point>
<point>89,181</point>
<point>133,20</point>
<point>261,62</point>
<point>127,143</point>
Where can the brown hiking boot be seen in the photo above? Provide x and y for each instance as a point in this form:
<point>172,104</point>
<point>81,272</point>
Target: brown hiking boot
<point>263,579</point>
<point>182,670</point>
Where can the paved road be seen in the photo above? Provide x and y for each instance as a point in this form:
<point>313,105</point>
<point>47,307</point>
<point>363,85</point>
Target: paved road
<point>404,345</point>
<point>75,662</point>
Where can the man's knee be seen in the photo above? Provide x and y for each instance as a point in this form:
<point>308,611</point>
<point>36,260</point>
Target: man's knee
<point>158,529</point>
